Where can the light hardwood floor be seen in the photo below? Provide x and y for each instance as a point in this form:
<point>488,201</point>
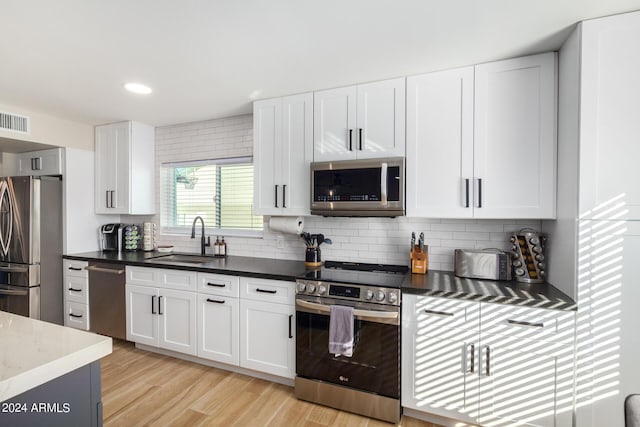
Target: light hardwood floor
<point>142,388</point>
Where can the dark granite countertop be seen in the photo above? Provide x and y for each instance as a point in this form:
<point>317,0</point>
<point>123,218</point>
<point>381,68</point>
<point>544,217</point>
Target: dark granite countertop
<point>434,283</point>
<point>265,268</point>
<point>446,284</point>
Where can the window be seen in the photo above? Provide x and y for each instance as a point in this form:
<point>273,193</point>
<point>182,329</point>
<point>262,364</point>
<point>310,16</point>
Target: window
<point>220,191</point>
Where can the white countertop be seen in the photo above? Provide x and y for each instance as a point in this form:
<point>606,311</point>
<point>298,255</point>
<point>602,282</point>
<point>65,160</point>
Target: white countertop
<point>33,352</point>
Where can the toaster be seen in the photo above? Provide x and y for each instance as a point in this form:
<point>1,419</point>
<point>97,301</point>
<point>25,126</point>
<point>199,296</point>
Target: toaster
<point>491,264</point>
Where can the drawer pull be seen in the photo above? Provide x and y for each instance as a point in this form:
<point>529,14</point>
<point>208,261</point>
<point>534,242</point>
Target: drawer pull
<point>438,313</point>
<point>523,323</point>
<point>75,290</point>
<point>265,291</point>
<point>217,285</point>
<point>75,268</point>
<point>75,315</point>
<point>217,301</point>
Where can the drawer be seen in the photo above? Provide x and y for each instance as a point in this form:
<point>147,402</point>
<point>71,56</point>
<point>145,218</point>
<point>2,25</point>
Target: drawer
<point>143,276</point>
<point>75,268</point>
<point>76,289</point>
<point>180,280</point>
<point>267,290</point>
<point>76,315</point>
<point>526,322</point>
<point>435,312</point>
<point>219,284</point>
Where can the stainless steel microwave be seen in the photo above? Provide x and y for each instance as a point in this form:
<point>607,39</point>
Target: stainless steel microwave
<point>368,187</point>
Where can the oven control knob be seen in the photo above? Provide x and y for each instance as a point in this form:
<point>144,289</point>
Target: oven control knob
<point>379,296</point>
<point>311,288</point>
<point>301,287</point>
<point>392,297</point>
<point>321,289</point>
<point>368,294</point>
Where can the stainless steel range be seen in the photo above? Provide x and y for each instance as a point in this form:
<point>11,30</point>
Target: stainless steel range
<point>367,382</point>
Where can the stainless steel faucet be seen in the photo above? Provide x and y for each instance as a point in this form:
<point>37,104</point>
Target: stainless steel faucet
<point>203,243</point>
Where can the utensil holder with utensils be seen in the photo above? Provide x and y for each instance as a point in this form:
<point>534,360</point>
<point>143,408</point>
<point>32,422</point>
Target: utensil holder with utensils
<point>312,253</point>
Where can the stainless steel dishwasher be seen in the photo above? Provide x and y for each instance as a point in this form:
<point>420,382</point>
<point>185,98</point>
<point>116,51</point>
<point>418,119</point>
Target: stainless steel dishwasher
<point>107,314</point>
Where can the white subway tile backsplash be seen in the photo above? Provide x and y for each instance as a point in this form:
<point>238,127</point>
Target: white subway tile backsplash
<point>377,240</point>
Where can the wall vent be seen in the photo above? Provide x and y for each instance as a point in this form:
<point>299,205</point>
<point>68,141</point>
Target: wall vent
<point>14,123</point>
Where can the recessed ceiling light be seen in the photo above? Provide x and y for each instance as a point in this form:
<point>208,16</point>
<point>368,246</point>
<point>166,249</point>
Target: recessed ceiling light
<point>138,88</point>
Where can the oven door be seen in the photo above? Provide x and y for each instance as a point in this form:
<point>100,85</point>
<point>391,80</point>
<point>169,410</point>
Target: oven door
<point>375,364</point>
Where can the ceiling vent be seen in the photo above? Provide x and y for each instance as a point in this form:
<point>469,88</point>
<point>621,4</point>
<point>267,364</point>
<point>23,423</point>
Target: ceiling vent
<point>14,123</point>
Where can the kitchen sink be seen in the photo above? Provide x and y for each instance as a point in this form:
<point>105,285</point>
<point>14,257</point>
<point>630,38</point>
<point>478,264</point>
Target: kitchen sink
<point>184,258</point>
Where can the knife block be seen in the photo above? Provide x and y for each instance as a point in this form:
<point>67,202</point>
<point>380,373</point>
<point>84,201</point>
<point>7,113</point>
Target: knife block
<point>419,260</point>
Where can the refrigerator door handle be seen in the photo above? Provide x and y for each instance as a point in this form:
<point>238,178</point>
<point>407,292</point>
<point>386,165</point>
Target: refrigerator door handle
<point>9,268</point>
<point>13,293</point>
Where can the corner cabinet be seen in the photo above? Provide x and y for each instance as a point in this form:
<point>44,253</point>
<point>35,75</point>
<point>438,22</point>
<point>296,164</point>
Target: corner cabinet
<point>488,364</point>
<point>360,122</point>
<point>122,150</point>
<point>481,141</point>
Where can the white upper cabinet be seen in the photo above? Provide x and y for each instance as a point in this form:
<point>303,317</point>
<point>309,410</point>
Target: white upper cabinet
<point>43,162</point>
<point>481,141</point>
<point>363,121</point>
<point>282,153</point>
<point>515,138</point>
<point>609,118</point>
<point>440,144</point>
<point>125,161</point>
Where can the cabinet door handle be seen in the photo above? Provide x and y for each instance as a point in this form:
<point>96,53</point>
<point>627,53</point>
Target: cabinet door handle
<point>113,192</point>
<point>438,313</point>
<point>487,361</point>
<point>75,268</point>
<point>153,304</point>
<point>360,139</point>
<point>479,192</point>
<point>276,197</point>
<point>217,285</point>
<point>350,139</point>
<point>160,304</point>
<point>217,301</point>
<point>265,291</point>
<point>107,201</point>
<point>473,357</point>
<point>465,357</point>
<point>284,195</point>
<point>77,316</point>
<point>466,192</point>
<point>523,323</point>
<point>290,319</point>
<point>75,290</point>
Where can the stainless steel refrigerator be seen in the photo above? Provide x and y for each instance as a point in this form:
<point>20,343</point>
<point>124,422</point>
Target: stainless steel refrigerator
<point>31,247</point>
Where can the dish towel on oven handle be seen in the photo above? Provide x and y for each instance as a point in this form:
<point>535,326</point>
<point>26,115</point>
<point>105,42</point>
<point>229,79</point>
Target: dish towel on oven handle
<point>341,327</point>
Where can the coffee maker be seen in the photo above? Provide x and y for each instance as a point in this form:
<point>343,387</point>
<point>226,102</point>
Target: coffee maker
<point>111,237</point>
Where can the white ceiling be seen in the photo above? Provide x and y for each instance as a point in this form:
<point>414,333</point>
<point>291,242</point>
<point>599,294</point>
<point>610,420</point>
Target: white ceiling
<point>206,58</point>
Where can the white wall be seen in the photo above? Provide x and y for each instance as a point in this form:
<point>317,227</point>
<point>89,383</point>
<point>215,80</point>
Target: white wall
<point>51,130</point>
<point>379,240</point>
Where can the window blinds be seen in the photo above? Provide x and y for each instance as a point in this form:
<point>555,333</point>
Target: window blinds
<point>220,191</point>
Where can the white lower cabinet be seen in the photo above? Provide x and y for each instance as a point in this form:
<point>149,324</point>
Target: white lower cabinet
<point>159,316</point>
<point>506,365</point>
<point>268,343</point>
<point>240,321</point>
<point>76,294</point>
<point>218,328</point>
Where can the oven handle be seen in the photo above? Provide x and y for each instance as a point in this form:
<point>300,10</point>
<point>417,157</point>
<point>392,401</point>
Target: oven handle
<point>373,315</point>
